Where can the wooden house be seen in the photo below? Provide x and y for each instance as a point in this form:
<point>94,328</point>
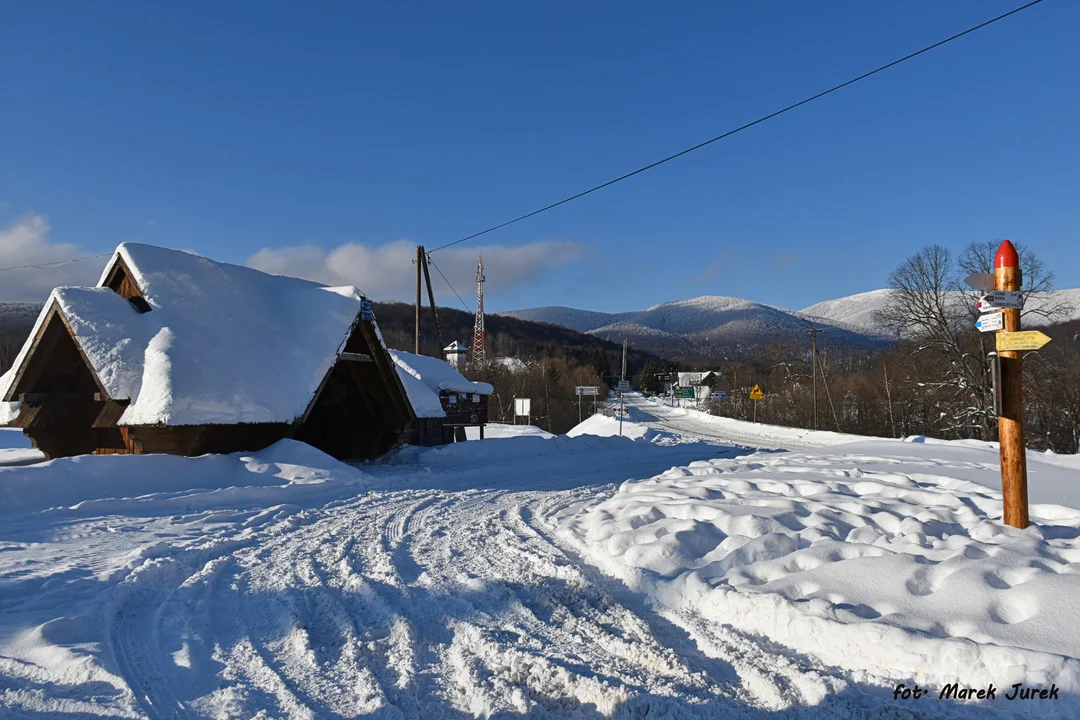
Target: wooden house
<point>444,401</point>
<point>175,353</point>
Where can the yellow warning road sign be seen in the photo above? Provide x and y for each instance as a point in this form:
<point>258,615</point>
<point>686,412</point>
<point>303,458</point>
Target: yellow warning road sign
<point>756,393</point>
<point>1026,340</point>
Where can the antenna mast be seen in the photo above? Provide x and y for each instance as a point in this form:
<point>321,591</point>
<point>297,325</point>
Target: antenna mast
<point>479,354</point>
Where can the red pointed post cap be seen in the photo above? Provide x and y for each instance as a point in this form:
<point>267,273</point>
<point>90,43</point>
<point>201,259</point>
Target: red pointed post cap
<point>1006,256</point>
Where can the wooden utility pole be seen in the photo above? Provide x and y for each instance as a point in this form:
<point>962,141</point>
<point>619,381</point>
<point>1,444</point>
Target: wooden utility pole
<point>431,299</point>
<point>419,261</point>
<point>813,369</point>
<point>1007,276</point>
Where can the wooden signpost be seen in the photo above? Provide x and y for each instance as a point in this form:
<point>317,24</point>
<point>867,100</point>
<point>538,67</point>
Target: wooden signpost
<point>1007,277</point>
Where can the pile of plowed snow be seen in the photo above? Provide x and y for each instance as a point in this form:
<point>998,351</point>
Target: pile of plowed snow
<point>882,557</point>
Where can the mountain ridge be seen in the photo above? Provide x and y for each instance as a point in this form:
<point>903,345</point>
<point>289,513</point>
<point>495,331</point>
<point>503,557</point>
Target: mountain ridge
<point>718,324</point>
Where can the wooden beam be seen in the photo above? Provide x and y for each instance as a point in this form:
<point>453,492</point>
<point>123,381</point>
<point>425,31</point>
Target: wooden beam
<point>355,357</point>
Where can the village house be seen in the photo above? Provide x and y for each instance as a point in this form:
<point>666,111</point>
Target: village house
<point>175,353</point>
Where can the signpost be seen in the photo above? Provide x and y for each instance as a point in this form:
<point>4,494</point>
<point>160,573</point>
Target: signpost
<point>990,321</point>
<point>980,281</point>
<point>523,408</point>
<point>1007,277</point>
<point>586,390</point>
<point>687,393</point>
<point>1027,340</point>
<point>1001,300</point>
<point>624,386</point>
<point>720,394</point>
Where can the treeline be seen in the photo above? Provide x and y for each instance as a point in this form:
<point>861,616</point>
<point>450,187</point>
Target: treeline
<point>539,361</point>
<point>936,381</point>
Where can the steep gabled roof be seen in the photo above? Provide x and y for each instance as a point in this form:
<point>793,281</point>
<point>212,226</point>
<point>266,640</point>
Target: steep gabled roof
<point>424,377</point>
<point>220,343</point>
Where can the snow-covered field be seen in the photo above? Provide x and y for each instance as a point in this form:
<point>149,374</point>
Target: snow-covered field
<point>670,573</point>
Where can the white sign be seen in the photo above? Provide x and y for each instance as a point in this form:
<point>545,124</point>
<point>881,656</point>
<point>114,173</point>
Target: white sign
<point>588,390</point>
<point>522,406</point>
<point>990,322</point>
<point>624,386</point>
<point>980,281</point>
<point>1001,300</point>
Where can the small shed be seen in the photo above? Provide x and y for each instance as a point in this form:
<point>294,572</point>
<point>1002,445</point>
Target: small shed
<point>175,353</point>
<point>444,401</point>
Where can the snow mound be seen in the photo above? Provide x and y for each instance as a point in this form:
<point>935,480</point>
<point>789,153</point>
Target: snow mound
<point>604,426</point>
<point>286,471</point>
<point>904,566</point>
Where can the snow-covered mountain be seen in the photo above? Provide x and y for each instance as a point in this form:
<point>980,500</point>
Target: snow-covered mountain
<point>857,312</point>
<point>708,324</point>
<point>716,324</point>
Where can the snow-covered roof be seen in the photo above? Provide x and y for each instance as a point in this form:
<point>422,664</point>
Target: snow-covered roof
<point>456,346</point>
<point>435,375</point>
<point>221,344</point>
<point>686,379</point>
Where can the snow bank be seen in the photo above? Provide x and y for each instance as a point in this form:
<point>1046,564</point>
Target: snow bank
<point>284,472</point>
<point>604,426</point>
<point>877,557</point>
<point>500,431</point>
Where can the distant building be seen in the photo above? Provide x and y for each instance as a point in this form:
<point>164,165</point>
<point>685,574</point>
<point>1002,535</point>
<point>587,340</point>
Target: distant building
<point>174,353</point>
<point>457,355</point>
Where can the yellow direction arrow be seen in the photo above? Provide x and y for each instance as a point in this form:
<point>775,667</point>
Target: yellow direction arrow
<point>1027,340</point>
<point>756,393</point>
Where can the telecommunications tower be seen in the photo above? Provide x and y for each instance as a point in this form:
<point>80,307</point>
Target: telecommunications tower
<point>479,355</point>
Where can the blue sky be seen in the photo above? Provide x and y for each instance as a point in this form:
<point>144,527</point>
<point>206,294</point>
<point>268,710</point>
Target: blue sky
<point>325,139</point>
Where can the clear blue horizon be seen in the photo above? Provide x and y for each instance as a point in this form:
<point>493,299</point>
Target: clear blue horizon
<point>326,141</point>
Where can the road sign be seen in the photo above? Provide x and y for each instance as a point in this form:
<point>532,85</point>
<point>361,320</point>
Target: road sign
<point>588,390</point>
<point>624,386</point>
<point>1026,340</point>
<point>687,393</point>
<point>756,393</point>
<point>990,321</point>
<point>522,406</point>
<point>1001,300</point>
<point>980,281</point>
<point>721,394</point>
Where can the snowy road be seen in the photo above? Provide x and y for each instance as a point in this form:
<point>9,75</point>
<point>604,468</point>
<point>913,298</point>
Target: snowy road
<point>440,584</point>
<point>695,424</point>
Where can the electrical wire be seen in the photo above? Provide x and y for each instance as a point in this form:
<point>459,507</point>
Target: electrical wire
<point>747,126</point>
<point>448,284</point>
<point>54,264</point>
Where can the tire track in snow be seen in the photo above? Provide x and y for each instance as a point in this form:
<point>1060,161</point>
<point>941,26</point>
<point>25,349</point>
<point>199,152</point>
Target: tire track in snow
<point>430,604</point>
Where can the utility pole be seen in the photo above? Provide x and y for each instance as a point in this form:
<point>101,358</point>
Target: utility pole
<point>1007,276</point>
<point>623,375</point>
<point>431,299</point>
<point>419,261</point>
<point>813,370</point>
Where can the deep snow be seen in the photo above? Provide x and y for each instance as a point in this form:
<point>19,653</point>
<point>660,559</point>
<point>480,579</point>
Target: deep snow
<point>670,575</point>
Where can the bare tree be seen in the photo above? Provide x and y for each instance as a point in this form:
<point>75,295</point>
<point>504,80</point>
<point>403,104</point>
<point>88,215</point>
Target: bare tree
<point>1038,282</point>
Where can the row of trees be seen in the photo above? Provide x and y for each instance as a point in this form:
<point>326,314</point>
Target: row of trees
<point>936,380</point>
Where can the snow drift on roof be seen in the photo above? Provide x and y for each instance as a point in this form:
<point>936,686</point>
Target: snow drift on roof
<point>438,374</point>
<point>222,344</point>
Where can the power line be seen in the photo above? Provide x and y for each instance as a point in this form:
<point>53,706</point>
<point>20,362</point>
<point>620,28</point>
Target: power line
<point>748,125</point>
<point>448,283</point>
<point>54,264</point>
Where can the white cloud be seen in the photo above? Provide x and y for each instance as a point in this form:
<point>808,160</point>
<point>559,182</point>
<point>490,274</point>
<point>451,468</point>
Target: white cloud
<point>387,272</point>
<point>26,242</point>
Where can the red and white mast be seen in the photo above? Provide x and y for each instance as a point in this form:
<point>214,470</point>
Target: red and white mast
<point>479,342</point>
